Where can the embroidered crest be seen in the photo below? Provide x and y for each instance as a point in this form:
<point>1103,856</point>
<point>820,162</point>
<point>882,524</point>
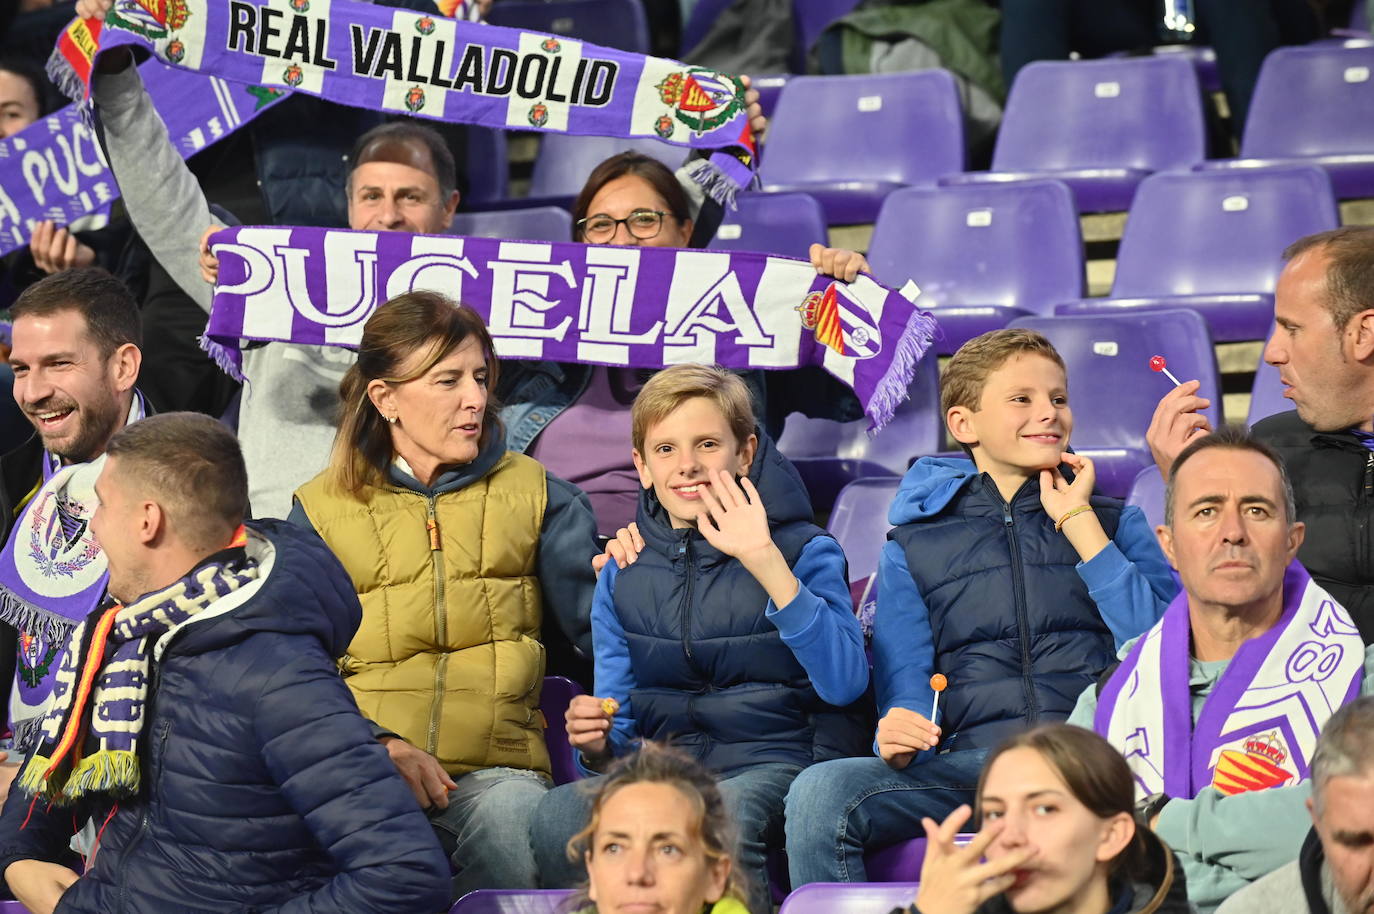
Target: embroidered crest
<point>153,19</point>
<point>265,95</point>
<point>293,75</point>
<point>702,99</point>
<point>664,126</point>
<point>60,544</point>
<point>424,25</point>
<point>36,656</point>
<point>840,322</point>
<point>415,99</point>
<point>300,6</point>
<point>1259,767</point>
<point>539,114</point>
<point>175,51</point>
<point>551,45</point>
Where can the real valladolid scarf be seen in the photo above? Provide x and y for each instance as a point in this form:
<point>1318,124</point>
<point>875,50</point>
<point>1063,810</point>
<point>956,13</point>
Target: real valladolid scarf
<point>619,306</point>
<point>431,66</point>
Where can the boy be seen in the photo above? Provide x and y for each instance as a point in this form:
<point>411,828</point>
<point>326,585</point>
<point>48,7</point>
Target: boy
<point>732,634</point>
<point>1003,575</point>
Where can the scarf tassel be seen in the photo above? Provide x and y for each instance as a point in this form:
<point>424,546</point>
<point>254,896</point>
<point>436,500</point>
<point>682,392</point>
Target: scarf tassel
<point>895,385</point>
<point>112,771</point>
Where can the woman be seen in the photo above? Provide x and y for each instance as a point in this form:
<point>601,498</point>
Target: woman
<point>1058,836</point>
<point>455,546</point>
<point>563,414</point>
<point>658,839</point>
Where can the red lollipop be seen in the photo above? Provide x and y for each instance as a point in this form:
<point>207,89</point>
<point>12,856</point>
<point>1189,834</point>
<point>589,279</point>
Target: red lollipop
<point>1157,363</point>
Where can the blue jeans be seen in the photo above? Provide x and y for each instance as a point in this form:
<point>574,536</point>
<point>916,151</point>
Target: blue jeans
<point>753,796</point>
<point>487,821</point>
<point>837,810</point>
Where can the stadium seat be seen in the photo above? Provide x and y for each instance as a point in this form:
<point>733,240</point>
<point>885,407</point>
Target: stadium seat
<point>565,160</point>
<point>487,167</point>
<point>1147,494</point>
<point>849,897</point>
<point>513,901</point>
<point>699,22</point>
<point>1100,126</point>
<point>1211,241</point>
<point>1266,395</point>
<point>901,862</point>
<point>785,224</point>
<point>540,223</point>
<point>809,19</point>
<point>859,522</point>
<point>557,693</point>
<point>770,90</point>
<point>1314,105</point>
<point>983,254</point>
<point>619,24</point>
<point>849,141</point>
<point>1112,390</point>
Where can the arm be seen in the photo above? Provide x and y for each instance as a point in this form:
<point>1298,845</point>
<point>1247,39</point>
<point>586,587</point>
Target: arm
<point>615,677</point>
<point>567,543</point>
<point>335,775</point>
<point>819,624</point>
<point>44,839</point>
<point>903,658</point>
<point>1129,579</point>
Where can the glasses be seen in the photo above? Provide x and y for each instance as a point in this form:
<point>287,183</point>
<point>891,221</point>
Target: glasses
<point>642,224</point>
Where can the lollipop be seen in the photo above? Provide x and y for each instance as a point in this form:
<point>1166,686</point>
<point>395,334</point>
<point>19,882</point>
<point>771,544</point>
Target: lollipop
<point>1157,363</point>
<point>610,706</point>
<point>938,682</point>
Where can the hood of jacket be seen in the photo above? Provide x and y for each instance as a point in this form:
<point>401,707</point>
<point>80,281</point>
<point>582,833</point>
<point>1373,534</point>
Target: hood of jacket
<point>928,487</point>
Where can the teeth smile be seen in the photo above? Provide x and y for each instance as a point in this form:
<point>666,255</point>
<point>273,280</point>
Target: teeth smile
<point>688,490</point>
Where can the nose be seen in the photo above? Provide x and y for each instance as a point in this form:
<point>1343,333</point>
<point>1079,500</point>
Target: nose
<point>622,236</point>
<point>1013,833</point>
<point>687,462</point>
<point>1232,527</point>
<point>390,215</point>
<point>474,395</point>
<point>1275,353</point>
<point>32,388</point>
<point>639,868</point>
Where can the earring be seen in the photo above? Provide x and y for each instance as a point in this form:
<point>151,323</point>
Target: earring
<point>391,419</point>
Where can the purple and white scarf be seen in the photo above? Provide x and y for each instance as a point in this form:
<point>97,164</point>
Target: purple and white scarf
<point>618,306</point>
<point>1259,725</point>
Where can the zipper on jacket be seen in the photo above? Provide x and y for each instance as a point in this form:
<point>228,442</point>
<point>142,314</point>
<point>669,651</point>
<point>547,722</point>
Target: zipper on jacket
<point>436,552</point>
<point>145,821</point>
<point>1366,494</point>
<point>685,611</point>
<point>1022,617</point>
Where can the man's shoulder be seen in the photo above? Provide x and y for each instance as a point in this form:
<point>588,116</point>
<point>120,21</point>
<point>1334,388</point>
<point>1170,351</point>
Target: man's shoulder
<point>1280,892</point>
<point>20,470</point>
<point>1283,430</point>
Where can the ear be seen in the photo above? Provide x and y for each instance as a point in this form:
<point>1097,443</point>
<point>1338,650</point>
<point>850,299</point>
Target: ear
<point>746,454</point>
<point>687,227</point>
<point>1361,333</point>
<point>124,366</point>
<point>959,421</point>
<point>1312,811</point>
<point>383,396</point>
<point>646,479</point>
<point>152,522</point>
<point>1117,833</point>
<point>717,877</point>
<point>1297,532</point>
<point>1166,542</point>
<point>450,208</point>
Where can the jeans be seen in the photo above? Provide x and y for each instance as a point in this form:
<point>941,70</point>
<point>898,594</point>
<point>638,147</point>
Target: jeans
<point>753,796</point>
<point>485,828</point>
<point>837,810</point>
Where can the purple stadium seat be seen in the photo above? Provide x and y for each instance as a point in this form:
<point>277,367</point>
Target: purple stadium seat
<point>565,160</point>
<point>612,23</point>
<point>851,140</point>
<point>514,901</point>
<point>1112,389</point>
<point>12,907</point>
<point>487,166</point>
<point>1147,494</point>
<point>810,17</point>
<point>1211,241</point>
<point>539,223</point>
<point>1203,59</point>
<point>859,522</point>
<point>785,224</point>
<point>901,862</point>
<point>699,22</point>
<point>1266,396</point>
<point>1314,105</point>
<point>558,692</point>
<point>1099,126</point>
<point>985,254</point>
<point>849,897</point>
<point>770,90</point>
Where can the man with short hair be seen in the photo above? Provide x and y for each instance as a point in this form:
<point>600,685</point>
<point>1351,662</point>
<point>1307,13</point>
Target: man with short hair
<point>1334,873</point>
<point>201,719</point>
<point>1323,347</point>
<point>1259,653</point>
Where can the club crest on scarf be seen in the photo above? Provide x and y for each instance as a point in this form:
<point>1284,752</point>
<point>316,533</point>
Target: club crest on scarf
<point>702,99</point>
<point>36,656</point>
<point>841,322</point>
<point>539,114</point>
<point>415,99</point>
<point>1258,767</point>
<point>153,19</point>
<point>60,542</point>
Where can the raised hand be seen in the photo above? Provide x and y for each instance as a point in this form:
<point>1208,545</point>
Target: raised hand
<point>953,881</point>
<point>1058,496</point>
<point>54,248</point>
<point>209,263</point>
<point>625,548</point>
<point>1178,419</point>
<point>735,521</point>
<point>838,262</point>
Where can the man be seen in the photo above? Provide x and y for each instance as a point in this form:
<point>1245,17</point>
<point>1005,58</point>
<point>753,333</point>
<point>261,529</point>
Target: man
<point>1258,651</point>
<point>75,359</point>
<point>244,778</point>
<point>1323,347</point>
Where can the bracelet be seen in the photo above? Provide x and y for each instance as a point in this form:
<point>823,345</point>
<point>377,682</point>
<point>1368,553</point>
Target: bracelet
<point>1072,512</point>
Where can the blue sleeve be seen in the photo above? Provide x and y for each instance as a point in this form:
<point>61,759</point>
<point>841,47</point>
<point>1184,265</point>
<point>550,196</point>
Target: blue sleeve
<point>615,678</point>
<point>903,643</point>
<point>819,624</point>
<point>1129,580</point>
<point>300,518</point>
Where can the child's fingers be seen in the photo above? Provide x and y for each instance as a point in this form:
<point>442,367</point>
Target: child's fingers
<point>726,490</point>
<point>713,506</point>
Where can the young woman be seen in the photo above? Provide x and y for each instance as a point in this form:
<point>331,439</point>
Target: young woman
<point>1058,837</point>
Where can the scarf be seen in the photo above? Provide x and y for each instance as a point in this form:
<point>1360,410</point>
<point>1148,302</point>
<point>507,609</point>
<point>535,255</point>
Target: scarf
<point>89,738</point>
<point>1259,725</point>
<point>434,67</point>
<point>569,302</point>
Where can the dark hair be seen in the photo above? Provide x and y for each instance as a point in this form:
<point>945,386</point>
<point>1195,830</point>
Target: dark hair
<point>658,176</point>
<point>193,466</point>
<point>1234,439</point>
<point>1350,271</point>
<point>409,323</point>
<point>397,141</point>
<point>37,80</point>
<point>111,314</point>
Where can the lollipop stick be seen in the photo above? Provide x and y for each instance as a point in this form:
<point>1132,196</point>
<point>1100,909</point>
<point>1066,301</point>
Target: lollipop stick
<point>934,707</point>
<point>1170,375</point>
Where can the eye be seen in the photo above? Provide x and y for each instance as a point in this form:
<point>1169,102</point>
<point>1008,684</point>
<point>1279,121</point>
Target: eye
<point>599,226</point>
<point>990,815</point>
<point>1045,809</point>
<point>663,449</point>
<point>670,850</point>
<point>643,218</point>
<point>447,382</point>
<point>1020,398</point>
<point>1205,512</point>
<point>610,847</point>
<point>1258,511</point>
<point>709,445</point>
<point>1060,401</point>
<point>481,378</point>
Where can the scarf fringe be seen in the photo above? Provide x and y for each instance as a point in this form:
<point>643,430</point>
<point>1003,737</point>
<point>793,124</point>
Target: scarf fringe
<point>64,77</point>
<point>895,385</point>
<point>713,182</point>
<point>27,617</point>
<point>25,733</point>
<point>112,771</point>
<point>229,360</point>
<point>33,779</point>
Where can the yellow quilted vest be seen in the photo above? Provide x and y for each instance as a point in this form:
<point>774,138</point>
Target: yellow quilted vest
<point>448,654</point>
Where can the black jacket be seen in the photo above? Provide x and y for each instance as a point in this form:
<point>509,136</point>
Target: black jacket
<point>20,470</point>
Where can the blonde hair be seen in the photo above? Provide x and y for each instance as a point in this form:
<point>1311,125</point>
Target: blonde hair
<point>967,372</point>
<point>672,387</point>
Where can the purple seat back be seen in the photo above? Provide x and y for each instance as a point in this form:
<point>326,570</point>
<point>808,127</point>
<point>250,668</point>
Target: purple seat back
<point>618,24</point>
<point>487,165</point>
<point>1012,245</point>
<point>699,22</point>
<point>1137,112</point>
<point>558,692</point>
<point>1209,232</point>
<point>770,90</point>
<point>1266,396</point>
<point>565,160</point>
<point>12,907</point>
<point>809,19</point>
<point>905,128</point>
<point>1314,100</point>
<point>859,522</point>
<point>514,901</point>
<point>1147,494</point>
<point>774,223</point>
<point>539,223</point>
<point>849,897</point>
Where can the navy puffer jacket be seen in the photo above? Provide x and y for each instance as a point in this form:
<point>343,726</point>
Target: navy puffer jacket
<point>262,787</point>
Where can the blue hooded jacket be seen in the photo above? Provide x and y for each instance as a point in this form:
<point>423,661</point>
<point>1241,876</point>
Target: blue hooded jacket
<point>262,789</point>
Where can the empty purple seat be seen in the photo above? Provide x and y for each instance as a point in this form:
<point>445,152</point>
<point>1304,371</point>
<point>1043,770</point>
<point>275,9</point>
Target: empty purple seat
<point>487,166</point>
<point>514,901</point>
<point>565,160</point>
<point>984,254</point>
<point>849,897</point>
<point>1099,126</point>
<point>1147,494</point>
<point>859,523</point>
<point>540,223</point>
<point>1266,396</point>
<point>557,693</point>
<point>612,23</point>
<point>785,224</point>
<point>849,141</point>
<point>901,862</point>
<point>824,477</point>
<point>1112,390</point>
<point>1203,59</point>
<point>1314,105</point>
<point>1212,241</point>
<point>770,90</point>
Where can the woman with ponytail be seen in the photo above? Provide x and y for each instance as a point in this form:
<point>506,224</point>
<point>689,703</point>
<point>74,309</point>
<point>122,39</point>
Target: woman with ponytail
<point>456,547</point>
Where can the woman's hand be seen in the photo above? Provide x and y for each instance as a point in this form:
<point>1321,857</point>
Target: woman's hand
<point>953,881</point>
<point>838,262</point>
<point>624,548</point>
<point>54,248</point>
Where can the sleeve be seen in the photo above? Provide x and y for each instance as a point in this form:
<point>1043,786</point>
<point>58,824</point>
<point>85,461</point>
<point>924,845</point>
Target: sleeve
<point>338,778</point>
<point>164,200</point>
<point>1129,580</point>
<point>820,627</point>
<point>299,518</point>
<point>36,831</point>
<point>567,545</point>
<point>615,677</point>
<point>903,643</point>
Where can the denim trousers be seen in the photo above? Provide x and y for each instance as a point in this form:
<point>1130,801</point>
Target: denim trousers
<point>485,828</point>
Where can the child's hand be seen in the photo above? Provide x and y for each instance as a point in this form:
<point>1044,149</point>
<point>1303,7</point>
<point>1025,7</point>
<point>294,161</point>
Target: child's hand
<point>587,724</point>
<point>902,734</point>
<point>625,548</point>
<point>209,263</point>
<point>838,262</point>
<point>735,521</point>
<point>1058,496</point>
<point>953,881</point>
